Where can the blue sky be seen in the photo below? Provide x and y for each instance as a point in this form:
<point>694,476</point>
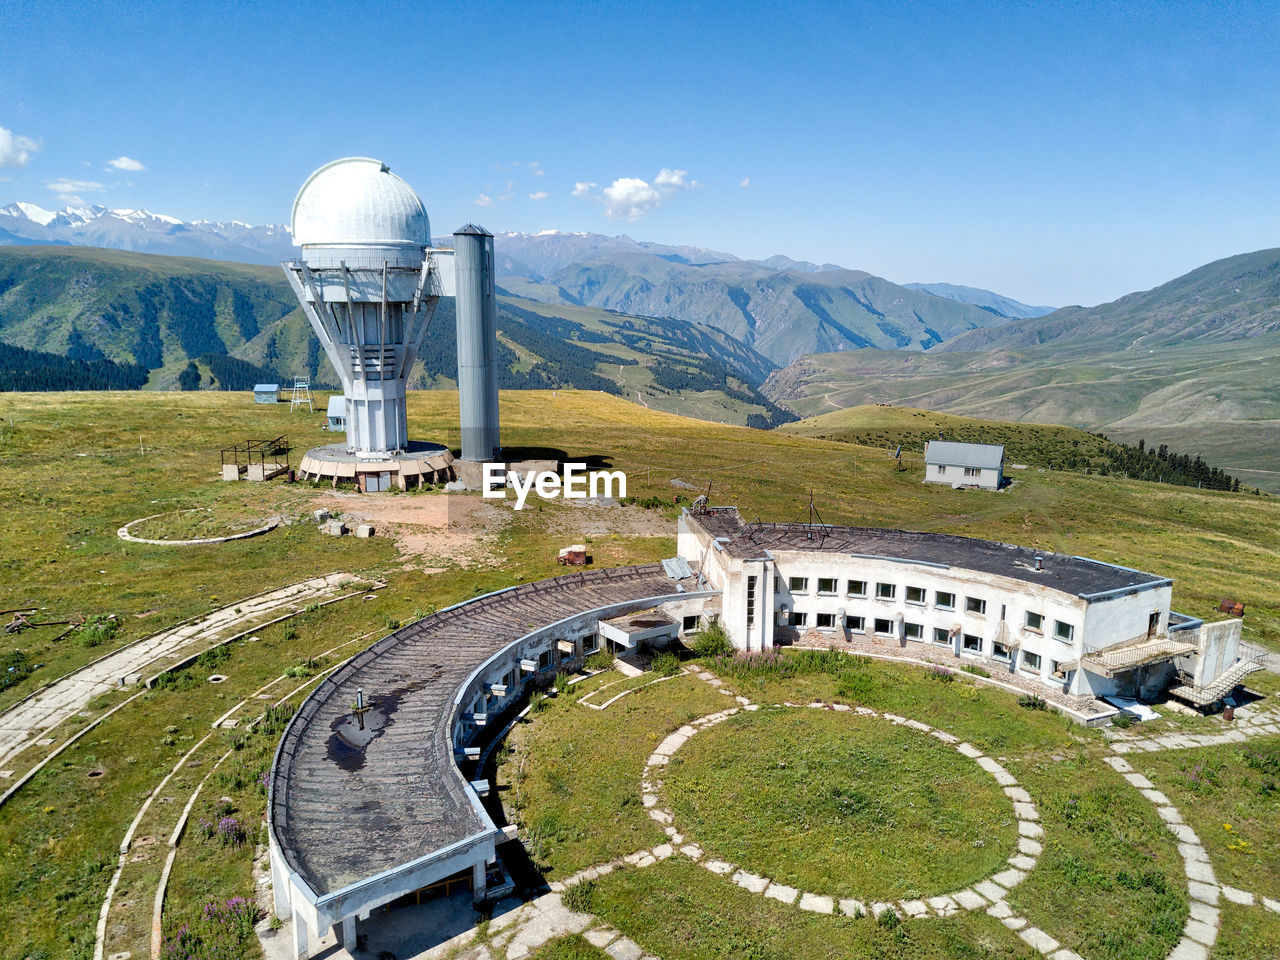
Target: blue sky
<point>1057,153</point>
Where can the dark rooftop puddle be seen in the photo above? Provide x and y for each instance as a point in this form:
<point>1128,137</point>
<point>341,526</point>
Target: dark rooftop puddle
<point>350,739</point>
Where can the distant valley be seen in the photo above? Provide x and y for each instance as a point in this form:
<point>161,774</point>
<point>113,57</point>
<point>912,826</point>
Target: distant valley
<point>1193,363</point>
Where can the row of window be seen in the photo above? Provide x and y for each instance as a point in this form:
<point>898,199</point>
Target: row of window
<point>942,600</point>
<point>883,627</point>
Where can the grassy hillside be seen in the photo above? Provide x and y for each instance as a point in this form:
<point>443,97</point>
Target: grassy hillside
<point>1218,400</point>
<point>1230,299</point>
<point>1058,448</point>
<point>75,466</point>
<point>887,427</point>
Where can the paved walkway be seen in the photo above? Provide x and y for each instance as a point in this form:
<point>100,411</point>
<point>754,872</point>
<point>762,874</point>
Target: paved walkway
<point>1247,724</point>
<point>25,722</point>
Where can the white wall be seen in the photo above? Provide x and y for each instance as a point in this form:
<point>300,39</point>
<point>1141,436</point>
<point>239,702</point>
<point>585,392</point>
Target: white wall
<point>988,479</point>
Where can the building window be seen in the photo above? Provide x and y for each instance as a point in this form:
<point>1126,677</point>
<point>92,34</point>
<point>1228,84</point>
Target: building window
<point>1035,621</point>
<point>974,605</point>
<point>944,601</point>
<point>1030,661</point>
<point>857,588</point>
<point>799,619</point>
<point>590,643</point>
<point>915,594</point>
<point>886,591</point>
<point>856,624</point>
<point>972,472</point>
<point>971,643</point>
<point>544,660</point>
<point>884,627</point>
<point>913,631</point>
<point>751,601</point>
<point>941,636</point>
<point>826,621</point>
<point>1000,651</point>
<point>799,584</point>
<point>689,623</point>
<point>827,586</point>
<point>1063,631</point>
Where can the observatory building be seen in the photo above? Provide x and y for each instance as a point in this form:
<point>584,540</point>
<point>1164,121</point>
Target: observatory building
<point>369,282</point>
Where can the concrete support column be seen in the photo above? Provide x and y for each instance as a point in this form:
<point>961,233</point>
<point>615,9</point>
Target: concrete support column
<point>479,881</point>
<point>301,940</point>
<point>349,933</point>
<point>280,885</point>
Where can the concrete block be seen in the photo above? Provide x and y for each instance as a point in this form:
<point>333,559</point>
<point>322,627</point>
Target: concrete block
<point>333,528</point>
<point>1242,897</point>
<point>782,893</point>
<point>322,515</point>
<point>364,531</point>
<point>1039,939</point>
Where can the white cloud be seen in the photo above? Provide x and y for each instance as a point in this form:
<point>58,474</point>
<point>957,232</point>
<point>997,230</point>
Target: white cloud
<point>126,163</point>
<point>630,198</point>
<point>673,180</point>
<point>540,195</point>
<point>15,150</point>
<point>536,168</point>
<point>69,191</point>
<point>746,182</point>
<point>484,200</point>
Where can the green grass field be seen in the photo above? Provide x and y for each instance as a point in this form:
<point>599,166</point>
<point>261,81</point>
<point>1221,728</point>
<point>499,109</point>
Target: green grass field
<point>75,467</point>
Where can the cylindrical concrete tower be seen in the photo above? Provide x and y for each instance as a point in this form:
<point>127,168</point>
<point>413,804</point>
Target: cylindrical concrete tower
<point>362,281</point>
<point>477,343</point>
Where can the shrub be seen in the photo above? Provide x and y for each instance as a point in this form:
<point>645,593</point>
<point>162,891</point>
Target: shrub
<point>941,674</point>
<point>1032,701</point>
<point>1121,721</point>
<point>561,682</point>
<point>976,670</point>
<point>98,629</point>
<point>888,918</point>
<point>665,665</point>
<point>13,667</point>
<point>580,897</point>
<point>711,641</point>
<point>600,660</point>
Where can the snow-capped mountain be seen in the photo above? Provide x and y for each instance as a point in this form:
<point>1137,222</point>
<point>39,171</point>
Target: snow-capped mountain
<point>144,232</point>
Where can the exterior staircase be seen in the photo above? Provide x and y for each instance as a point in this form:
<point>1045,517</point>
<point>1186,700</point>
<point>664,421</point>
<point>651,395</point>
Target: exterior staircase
<point>1251,660</point>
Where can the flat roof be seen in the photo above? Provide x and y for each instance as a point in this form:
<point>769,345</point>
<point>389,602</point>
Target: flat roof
<point>641,620</point>
<point>952,453</point>
<point>1078,576</point>
<point>346,803</point>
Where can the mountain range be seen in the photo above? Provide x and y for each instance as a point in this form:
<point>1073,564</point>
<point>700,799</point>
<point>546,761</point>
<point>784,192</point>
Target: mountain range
<point>174,321</point>
<point>780,307</point>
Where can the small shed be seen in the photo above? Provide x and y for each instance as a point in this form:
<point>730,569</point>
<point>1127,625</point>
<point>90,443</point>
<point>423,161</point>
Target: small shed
<point>266,393</point>
<point>964,464</point>
<point>336,417</point>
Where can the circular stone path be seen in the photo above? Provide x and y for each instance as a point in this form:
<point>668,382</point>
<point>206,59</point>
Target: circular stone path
<point>980,895</point>
<point>848,805</point>
<point>124,534</point>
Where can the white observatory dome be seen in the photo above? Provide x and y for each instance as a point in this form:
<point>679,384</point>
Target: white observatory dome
<point>358,203</point>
